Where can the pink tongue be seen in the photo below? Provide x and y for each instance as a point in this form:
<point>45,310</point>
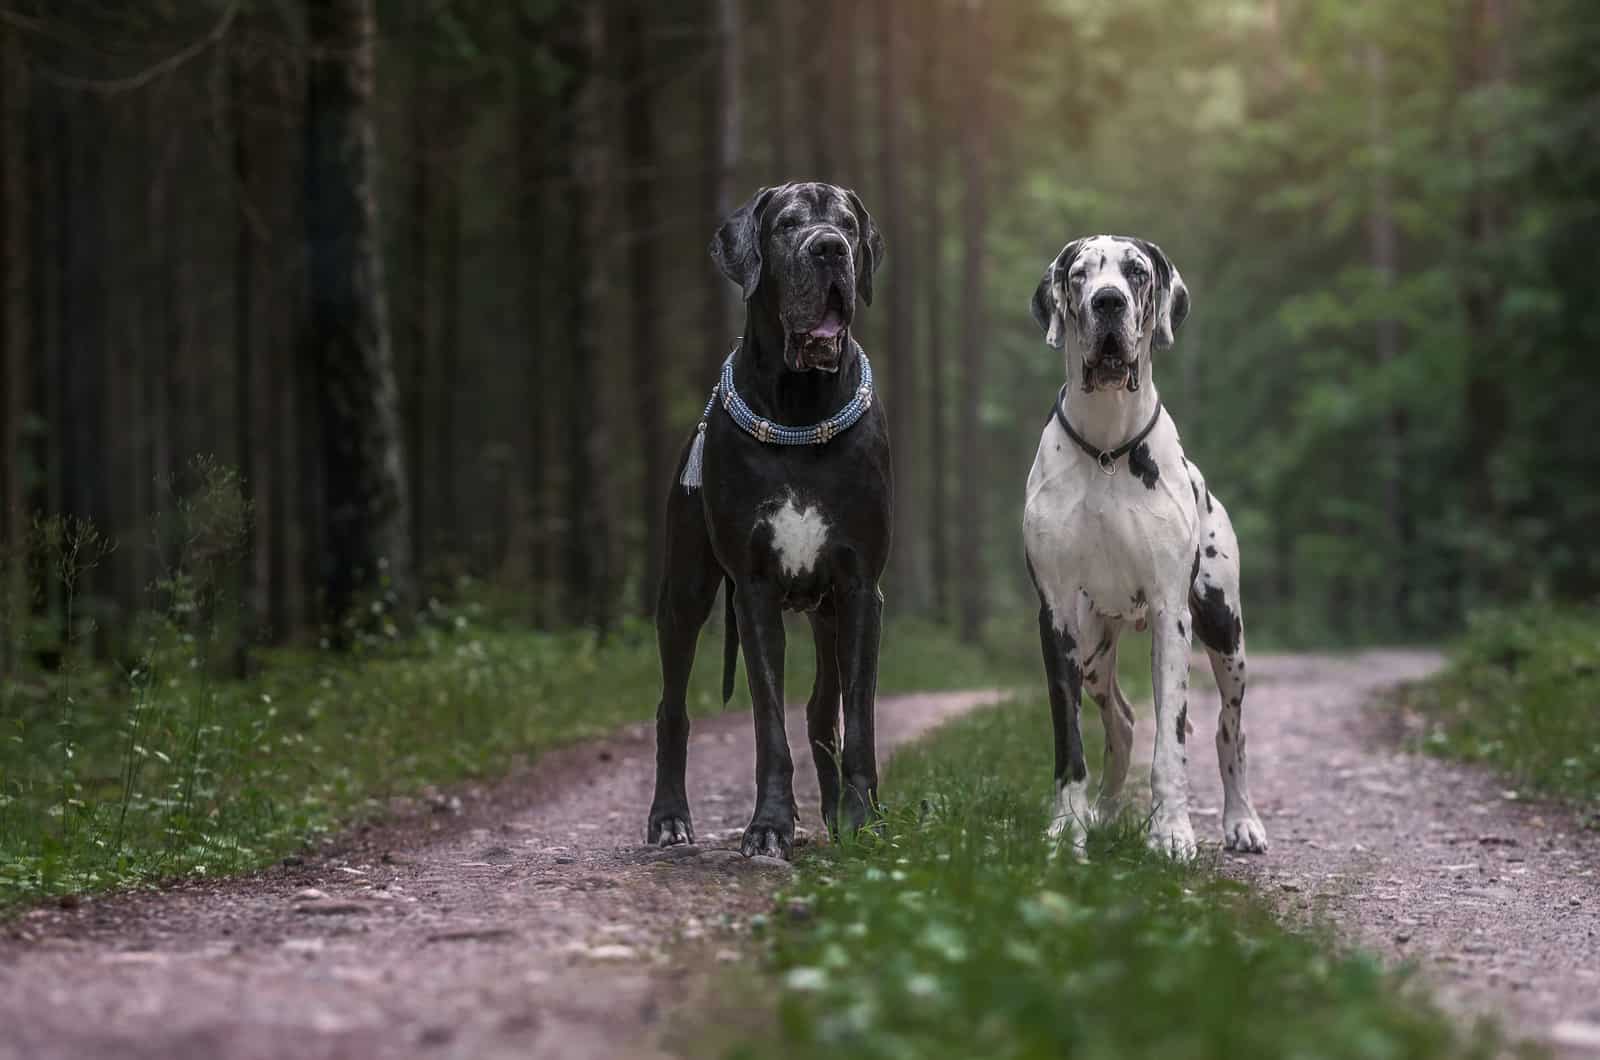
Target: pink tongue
<point>831,325</point>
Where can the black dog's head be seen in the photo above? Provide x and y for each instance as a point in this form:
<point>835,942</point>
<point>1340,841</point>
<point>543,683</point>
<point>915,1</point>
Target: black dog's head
<point>801,253</point>
<point>1123,297</point>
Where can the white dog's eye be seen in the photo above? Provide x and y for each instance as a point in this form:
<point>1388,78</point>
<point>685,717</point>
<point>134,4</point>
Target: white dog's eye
<point>1076,278</point>
<point>1137,275</point>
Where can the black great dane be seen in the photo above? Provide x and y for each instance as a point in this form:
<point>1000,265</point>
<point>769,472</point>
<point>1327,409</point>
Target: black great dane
<point>783,494</point>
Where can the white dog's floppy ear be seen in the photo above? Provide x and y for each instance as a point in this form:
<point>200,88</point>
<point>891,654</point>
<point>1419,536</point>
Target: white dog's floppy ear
<point>1047,310</point>
<point>1172,297</point>
<point>736,248</point>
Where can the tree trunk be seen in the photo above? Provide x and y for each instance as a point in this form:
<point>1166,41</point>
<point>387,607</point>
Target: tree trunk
<point>532,147</point>
<point>1383,244</point>
<point>245,368</point>
<point>1484,224</point>
<point>839,65</point>
<point>781,53</point>
<point>931,148</point>
<point>588,493</point>
<point>897,302</point>
<point>642,152</point>
<point>723,132</point>
<point>418,324</point>
<point>367,541</point>
<point>15,213</point>
<point>447,354</point>
<point>973,338</point>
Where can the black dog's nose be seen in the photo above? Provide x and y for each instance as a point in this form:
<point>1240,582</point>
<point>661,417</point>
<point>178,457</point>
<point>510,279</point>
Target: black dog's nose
<point>1108,300</point>
<point>829,245</point>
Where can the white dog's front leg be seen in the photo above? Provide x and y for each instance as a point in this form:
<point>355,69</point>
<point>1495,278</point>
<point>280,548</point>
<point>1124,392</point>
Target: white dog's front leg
<point>1170,830</point>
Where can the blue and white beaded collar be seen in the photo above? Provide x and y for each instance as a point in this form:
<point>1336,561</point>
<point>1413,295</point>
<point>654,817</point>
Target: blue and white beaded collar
<point>763,430</point>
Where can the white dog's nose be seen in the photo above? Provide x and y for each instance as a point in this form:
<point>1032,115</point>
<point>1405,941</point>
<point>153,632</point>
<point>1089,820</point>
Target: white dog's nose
<point>1108,300</point>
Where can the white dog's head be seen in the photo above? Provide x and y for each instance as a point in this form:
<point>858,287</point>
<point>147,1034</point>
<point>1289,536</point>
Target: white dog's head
<point>1123,298</point>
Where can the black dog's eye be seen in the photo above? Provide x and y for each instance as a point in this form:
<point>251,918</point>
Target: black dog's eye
<point>848,224</point>
<point>788,223</point>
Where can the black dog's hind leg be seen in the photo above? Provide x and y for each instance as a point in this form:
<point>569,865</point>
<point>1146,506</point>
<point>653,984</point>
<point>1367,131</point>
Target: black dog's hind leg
<point>771,830</point>
<point>688,589</point>
<point>822,713</point>
<point>860,611</point>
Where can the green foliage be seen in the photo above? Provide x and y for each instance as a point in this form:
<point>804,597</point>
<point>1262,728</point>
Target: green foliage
<point>954,933</point>
<point>1521,694</point>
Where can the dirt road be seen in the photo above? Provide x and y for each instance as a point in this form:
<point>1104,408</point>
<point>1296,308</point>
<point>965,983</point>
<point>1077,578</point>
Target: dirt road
<point>531,921</point>
<point>1497,899</point>
<point>527,921</point>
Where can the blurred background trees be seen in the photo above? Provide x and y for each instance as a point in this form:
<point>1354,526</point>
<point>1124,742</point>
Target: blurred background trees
<point>495,303</point>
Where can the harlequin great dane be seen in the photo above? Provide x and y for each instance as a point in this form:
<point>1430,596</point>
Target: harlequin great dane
<point>784,495</point>
<point>1120,528</point>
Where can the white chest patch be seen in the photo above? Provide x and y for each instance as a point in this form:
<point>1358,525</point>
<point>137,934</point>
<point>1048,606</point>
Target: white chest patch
<point>798,535</point>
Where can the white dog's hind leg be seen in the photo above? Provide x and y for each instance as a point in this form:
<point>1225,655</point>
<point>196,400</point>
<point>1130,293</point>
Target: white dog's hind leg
<point>1241,829</point>
<point>1219,624</point>
<point>1170,830</point>
<point>1116,713</point>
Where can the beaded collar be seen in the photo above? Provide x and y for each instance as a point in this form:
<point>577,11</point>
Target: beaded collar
<point>764,430</point>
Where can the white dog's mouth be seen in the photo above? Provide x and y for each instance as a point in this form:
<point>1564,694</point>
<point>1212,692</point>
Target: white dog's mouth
<point>1111,367</point>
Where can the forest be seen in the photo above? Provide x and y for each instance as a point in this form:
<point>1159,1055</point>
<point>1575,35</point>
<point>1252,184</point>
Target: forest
<point>382,303</point>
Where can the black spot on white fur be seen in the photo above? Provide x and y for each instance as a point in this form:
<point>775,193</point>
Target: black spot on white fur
<point>1144,468</point>
<point>1215,623</point>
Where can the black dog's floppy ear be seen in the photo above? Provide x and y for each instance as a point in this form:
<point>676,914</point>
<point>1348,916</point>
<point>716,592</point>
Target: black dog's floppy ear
<point>736,248</point>
<point>872,248</point>
<point>1172,297</point>
<point>1047,311</point>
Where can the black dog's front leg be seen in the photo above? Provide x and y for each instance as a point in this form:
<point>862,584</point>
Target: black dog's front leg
<point>860,624</point>
<point>822,714</point>
<point>760,614</point>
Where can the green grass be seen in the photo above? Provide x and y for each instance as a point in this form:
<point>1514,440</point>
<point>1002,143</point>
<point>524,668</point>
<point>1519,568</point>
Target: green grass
<point>114,777</point>
<point>953,934</point>
<point>1522,694</point>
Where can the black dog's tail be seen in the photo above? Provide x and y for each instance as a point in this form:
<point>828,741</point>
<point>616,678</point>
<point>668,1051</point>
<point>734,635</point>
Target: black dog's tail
<point>730,641</point>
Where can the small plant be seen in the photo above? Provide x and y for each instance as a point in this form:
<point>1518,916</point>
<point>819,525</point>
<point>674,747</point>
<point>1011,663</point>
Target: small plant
<point>71,549</point>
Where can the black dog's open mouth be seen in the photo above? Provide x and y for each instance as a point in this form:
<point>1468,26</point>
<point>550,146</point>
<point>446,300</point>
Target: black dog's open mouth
<point>1110,369</point>
<point>822,346</point>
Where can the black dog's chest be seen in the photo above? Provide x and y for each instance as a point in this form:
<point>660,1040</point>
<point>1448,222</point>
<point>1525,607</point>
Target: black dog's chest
<point>793,541</point>
<point>807,521</point>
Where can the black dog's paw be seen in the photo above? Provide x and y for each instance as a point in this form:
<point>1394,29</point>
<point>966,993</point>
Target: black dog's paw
<point>773,839</point>
<point>670,827</point>
<point>857,808</point>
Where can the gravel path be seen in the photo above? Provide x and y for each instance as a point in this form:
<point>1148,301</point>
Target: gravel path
<point>524,920</point>
<point>528,920</point>
<point>1497,899</point>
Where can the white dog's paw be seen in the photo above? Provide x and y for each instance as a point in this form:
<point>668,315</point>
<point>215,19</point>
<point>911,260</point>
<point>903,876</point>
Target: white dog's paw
<point>1070,825</point>
<point>1066,831</point>
<point>1243,831</point>
<point>1173,836</point>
